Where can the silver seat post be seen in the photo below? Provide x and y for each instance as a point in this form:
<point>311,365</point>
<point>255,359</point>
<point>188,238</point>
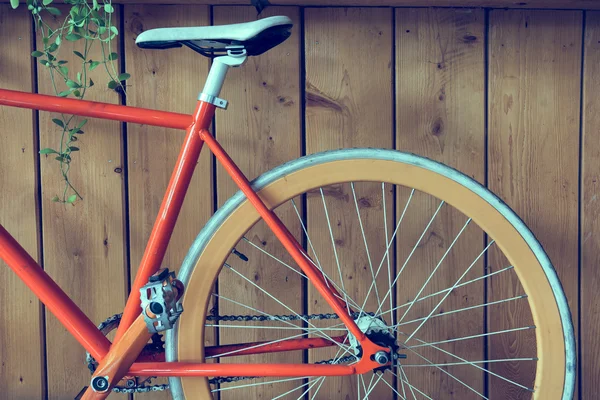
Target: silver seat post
<point>218,71</point>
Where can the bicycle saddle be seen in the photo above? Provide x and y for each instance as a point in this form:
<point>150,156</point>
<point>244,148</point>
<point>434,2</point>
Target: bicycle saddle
<point>256,37</point>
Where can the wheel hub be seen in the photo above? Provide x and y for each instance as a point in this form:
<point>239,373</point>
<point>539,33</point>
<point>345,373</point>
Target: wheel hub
<point>379,333</point>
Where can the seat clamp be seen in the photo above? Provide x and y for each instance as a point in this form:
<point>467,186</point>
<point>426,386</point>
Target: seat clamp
<point>214,100</point>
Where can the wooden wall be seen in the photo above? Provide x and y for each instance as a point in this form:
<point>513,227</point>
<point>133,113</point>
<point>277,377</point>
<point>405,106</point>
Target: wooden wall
<point>509,97</point>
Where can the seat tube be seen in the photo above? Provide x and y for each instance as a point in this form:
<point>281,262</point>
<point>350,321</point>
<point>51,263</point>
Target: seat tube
<point>216,77</point>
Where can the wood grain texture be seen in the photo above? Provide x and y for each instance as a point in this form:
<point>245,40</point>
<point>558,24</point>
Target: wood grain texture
<point>440,112</point>
<point>534,91</point>
<point>166,80</point>
<point>83,243</point>
<point>261,130</point>
<point>21,351</point>
<point>348,104</point>
<point>590,211</point>
<point>559,4</point>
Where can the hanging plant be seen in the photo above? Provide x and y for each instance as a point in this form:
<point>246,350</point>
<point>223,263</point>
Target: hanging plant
<point>87,24</point>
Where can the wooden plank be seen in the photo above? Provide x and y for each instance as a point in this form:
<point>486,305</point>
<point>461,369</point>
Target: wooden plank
<point>21,346</point>
<point>440,114</point>
<point>167,80</point>
<point>590,211</point>
<point>83,243</point>
<point>534,91</point>
<point>260,130</point>
<point>345,107</point>
<point>556,4</point>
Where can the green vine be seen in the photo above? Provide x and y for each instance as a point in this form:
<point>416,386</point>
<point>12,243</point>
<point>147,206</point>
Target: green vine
<point>87,24</point>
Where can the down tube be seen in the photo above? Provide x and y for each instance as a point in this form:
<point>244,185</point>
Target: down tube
<point>169,211</point>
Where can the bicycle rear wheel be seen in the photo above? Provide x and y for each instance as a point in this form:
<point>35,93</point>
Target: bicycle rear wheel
<point>483,344</point>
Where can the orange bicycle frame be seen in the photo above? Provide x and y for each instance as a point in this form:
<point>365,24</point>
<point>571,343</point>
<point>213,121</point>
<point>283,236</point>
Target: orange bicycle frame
<point>83,329</point>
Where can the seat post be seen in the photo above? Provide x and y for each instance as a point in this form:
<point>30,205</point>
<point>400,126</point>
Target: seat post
<point>218,71</point>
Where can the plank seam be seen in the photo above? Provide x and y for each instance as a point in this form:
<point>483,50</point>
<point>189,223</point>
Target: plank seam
<point>580,193</point>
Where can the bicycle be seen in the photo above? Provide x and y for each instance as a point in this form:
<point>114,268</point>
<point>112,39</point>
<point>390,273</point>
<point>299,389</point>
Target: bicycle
<point>371,341</point>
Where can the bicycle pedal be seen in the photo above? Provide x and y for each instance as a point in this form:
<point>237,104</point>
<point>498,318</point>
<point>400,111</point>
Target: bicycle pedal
<point>159,301</point>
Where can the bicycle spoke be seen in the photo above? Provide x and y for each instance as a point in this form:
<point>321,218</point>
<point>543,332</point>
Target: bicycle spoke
<point>308,330</point>
<point>462,309</point>
<point>410,255</point>
<point>436,267</point>
<point>450,291</point>
<point>319,388</point>
<point>256,346</point>
<point>448,373</point>
<point>362,381</point>
<point>394,390</point>
<point>472,337</point>
<point>411,387</point>
<point>258,384</point>
<point>371,388</point>
<point>272,317</point>
<point>291,391</point>
<point>471,362</point>
<point>476,366</point>
<point>387,252</point>
<point>337,260</point>
<point>308,389</point>
<point>327,278</point>
<point>230,268</point>
<point>387,247</point>
<point>362,231</point>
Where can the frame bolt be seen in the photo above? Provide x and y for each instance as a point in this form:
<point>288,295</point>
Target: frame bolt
<point>382,357</point>
<point>100,384</point>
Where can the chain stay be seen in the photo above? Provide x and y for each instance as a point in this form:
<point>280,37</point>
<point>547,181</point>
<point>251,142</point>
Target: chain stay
<point>106,326</point>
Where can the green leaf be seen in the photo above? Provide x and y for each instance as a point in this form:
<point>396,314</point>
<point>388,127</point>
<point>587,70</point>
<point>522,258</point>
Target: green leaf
<point>72,84</point>
<point>81,124</point>
<point>44,62</point>
<point>101,30</point>
<point>91,83</point>
<point>48,151</point>
<point>95,5</point>
<point>58,122</point>
<point>73,148</point>
<point>55,199</point>
<point>64,70</point>
<point>45,40</point>
<point>113,56</point>
<point>78,54</point>
<point>64,93</point>
<point>36,54</point>
<point>124,76</point>
<point>73,37</point>
<point>53,10</point>
<point>53,47</point>
<point>108,8</point>
<point>58,40</point>
<point>71,199</point>
<point>79,77</point>
<point>59,158</point>
<point>113,84</point>
<point>61,62</point>
<point>114,30</point>
<point>94,64</point>
<point>76,93</point>
<point>14,3</point>
<point>46,2</point>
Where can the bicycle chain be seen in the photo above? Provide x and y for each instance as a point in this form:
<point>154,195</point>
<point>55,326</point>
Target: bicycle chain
<point>91,362</point>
